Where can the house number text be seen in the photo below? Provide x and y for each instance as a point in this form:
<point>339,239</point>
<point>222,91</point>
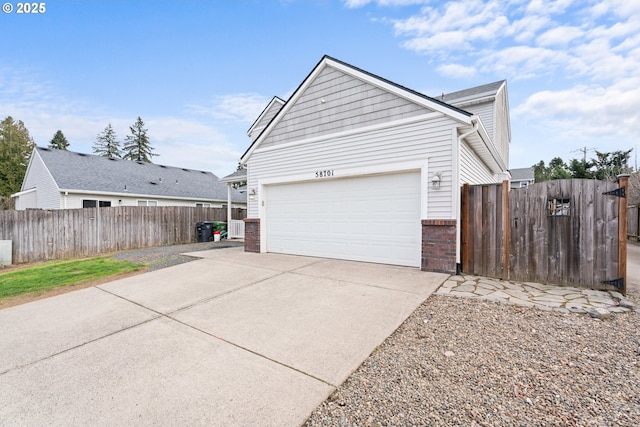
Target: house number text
<point>324,174</point>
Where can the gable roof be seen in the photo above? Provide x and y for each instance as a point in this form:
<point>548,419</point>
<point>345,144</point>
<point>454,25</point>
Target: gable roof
<point>272,108</point>
<point>78,172</point>
<point>327,61</point>
<point>522,174</point>
<point>488,90</point>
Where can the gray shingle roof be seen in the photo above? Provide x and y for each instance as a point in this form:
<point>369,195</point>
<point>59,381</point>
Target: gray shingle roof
<point>489,88</point>
<point>522,174</point>
<point>88,172</point>
<point>237,176</point>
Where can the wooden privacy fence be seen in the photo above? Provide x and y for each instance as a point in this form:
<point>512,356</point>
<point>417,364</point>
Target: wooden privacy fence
<point>70,233</point>
<point>570,232</point>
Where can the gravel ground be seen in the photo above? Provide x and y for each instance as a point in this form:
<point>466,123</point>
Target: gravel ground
<point>166,256</point>
<point>464,362</point>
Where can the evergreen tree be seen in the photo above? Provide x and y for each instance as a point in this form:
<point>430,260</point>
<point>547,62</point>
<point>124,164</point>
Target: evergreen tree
<point>606,166</point>
<point>557,169</point>
<point>59,142</point>
<point>16,146</point>
<point>609,165</point>
<point>137,146</point>
<point>106,143</point>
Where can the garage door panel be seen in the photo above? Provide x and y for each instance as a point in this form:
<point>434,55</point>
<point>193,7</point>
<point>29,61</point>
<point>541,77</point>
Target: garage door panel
<point>375,219</point>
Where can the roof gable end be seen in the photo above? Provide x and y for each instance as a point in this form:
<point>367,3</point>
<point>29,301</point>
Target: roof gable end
<point>382,86</point>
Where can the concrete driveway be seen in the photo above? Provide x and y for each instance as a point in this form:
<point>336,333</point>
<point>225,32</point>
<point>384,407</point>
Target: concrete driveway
<point>233,338</point>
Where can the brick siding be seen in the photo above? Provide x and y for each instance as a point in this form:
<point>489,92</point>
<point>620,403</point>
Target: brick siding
<point>439,245</point>
<point>252,235</point>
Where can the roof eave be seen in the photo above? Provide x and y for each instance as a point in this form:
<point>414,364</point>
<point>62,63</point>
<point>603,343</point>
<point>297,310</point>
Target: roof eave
<point>484,148</point>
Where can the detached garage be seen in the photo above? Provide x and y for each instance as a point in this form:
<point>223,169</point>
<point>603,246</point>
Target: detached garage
<point>355,167</point>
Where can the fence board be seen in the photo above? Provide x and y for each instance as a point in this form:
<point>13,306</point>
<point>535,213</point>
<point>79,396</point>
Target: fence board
<point>39,235</point>
<point>579,244</point>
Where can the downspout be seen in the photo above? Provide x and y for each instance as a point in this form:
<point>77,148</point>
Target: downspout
<point>476,126</point>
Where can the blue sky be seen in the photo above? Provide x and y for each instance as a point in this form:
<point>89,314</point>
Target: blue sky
<point>199,72</point>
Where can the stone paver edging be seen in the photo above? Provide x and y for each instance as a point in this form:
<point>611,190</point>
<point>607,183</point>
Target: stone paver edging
<point>599,304</point>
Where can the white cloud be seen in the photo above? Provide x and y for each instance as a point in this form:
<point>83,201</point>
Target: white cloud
<point>360,3</point>
<point>599,111</point>
<point>559,36</point>
<point>456,70</point>
<point>526,28</point>
<point>544,7</point>
<point>451,39</point>
<point>521,62</point>
<point>183,139</point>
<point>243,107</point>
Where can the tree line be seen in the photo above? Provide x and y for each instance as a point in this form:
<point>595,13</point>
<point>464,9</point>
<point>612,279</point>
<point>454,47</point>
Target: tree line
<point>604,166</point>
<point>16,146</point>
<point>136,146</point>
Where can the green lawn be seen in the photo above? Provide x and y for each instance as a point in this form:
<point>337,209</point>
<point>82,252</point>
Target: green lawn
<point>44,277</point>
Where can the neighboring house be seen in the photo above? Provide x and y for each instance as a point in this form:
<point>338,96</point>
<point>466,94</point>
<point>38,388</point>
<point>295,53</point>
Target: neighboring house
<point>522,177</point>
<point>356,167</point>
<point>59,179</point>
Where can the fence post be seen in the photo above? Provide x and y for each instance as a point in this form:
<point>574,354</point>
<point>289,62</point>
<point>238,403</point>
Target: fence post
<point>506,232</point>
<point>623,204</point>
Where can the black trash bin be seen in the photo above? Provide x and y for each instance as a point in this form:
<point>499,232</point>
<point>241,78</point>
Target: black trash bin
<point>204,231</point>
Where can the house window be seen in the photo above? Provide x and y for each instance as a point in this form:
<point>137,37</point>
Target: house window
<point>147,203</point>
<point>524,184</point>
<point>559,207</point>
<point>203,205</point>
<point>96,203</point>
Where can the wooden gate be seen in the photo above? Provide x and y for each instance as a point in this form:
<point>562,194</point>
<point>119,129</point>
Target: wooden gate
<point>569,232</point>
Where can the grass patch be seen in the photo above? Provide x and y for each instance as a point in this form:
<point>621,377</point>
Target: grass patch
<point>44,277</point>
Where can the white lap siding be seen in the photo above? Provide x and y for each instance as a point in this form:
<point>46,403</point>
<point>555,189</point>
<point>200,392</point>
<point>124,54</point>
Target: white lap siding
<point>429,140</point>
<point>472,170</point>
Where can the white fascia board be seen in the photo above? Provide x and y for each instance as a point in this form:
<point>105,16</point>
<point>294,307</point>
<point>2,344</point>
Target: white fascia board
<point>233,179</point>
<point>473,99</point>
<point>346,133</point>
<point>23,192</point>
<point>267,108</point>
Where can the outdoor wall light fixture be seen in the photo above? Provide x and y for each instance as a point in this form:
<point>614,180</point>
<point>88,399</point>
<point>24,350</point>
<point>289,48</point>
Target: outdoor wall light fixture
<point>252,194</point>
<point>435,180</point>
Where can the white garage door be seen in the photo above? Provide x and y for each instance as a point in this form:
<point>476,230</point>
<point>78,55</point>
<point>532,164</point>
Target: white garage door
<point>373,218</point>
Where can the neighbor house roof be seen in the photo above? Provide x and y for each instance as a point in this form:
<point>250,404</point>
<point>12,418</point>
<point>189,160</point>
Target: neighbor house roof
<point>522,174</point>
<point>80,172</point>
<point>237,176</point>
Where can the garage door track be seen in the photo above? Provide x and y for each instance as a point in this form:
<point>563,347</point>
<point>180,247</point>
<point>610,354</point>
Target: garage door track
<point>233,338</point>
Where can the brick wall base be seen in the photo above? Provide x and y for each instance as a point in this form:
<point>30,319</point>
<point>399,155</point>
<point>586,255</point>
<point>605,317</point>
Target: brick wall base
<point>252,235</point>
<point>439,238</point>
